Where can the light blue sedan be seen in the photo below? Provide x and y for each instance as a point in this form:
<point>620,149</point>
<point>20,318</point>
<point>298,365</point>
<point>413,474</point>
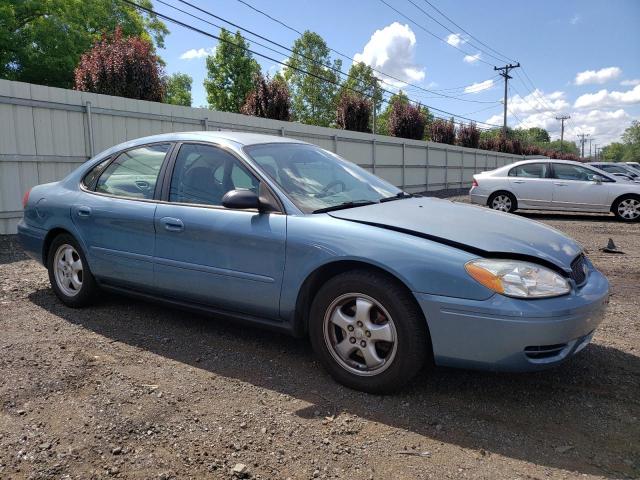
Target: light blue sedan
<point>282,234</point>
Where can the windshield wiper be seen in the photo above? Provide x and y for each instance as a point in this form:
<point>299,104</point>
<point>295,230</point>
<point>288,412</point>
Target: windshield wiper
<point>397,196</point>
<point>340,206</point>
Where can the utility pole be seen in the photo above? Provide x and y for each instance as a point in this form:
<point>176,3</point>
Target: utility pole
<point>505,74</point>
<point>583,141</point>
<point>590,138</point>
<point>562,118</point>
<point>595,148</point>
<point>375,92</point>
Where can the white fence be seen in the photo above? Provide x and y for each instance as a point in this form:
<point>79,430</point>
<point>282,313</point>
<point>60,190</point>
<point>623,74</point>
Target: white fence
<point>46,132</point>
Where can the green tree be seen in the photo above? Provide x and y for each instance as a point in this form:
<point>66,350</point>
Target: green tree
<point>566,147</point>
<point>230,73</point>
<point>614,152</point>
<point>631,139</point>
<point>537,135</point>
<point>382,126</point>
<point>313,94</point>
<point>41,41</point>
<point>361,78</point>
<point>178,89</point>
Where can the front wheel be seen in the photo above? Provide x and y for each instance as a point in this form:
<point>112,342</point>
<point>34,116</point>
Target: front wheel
<point>69,272</point>
<point>503,202</point>
<point>368,332</point>
<point>627,209</point>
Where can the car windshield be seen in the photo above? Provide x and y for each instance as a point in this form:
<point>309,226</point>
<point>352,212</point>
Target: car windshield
<point>315,179</point>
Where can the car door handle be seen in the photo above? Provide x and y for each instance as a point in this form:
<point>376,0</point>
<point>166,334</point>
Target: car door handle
<point>519,181</point>
<point>172,224</point>
<point>560,184</point>
<point>84,211</point>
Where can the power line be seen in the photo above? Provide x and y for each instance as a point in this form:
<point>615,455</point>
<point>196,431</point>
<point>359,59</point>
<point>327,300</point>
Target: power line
<point>421,27</point>
<point>343,55</point>
<point>451,31</point>
<point>202,32</point>
<point>469,34</point>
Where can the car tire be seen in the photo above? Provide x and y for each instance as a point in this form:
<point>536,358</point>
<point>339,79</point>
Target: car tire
<point>627,208</point>
<point>69,273</point>
<point>503,202</point>
<point>392,331</point>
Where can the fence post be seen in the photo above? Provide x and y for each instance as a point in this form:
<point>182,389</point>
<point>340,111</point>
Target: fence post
<point>282,131</point>
<point>90,128</point>
<point>426,170</point>
<point>461,168</point>
<point>205,123</point>
<point>446,168</point>
<point>373,160</point>
<point>335,144</point>
<point>404,164</point>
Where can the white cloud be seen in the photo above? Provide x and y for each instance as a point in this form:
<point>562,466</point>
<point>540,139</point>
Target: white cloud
<point>537,102</point>
<point>391,50</point>
<point>479,86</point>
<point>604,126</point>
<point>577,18</point>
<point>630,83</point>
<point>472,58</point>
<point>196,53</point>
<point>605,98</point>
<point>455,39</point>
<point>598,76</point>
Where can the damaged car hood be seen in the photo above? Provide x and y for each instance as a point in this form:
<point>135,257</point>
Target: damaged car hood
<point>475,229</point>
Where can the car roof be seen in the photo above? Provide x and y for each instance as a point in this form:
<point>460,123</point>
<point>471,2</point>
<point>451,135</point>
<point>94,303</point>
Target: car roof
<point>240,138</point>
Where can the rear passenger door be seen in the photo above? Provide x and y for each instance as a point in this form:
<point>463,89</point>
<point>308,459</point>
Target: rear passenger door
<point>208,254</point>
<point>532,185</point>
<point>115,213</point>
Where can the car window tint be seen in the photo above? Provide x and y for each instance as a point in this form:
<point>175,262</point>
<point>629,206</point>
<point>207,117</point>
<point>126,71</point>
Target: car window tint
<point>134,173</point>
<point>530,170</point>
<point>566,171</point>
<point>90,178</point>
<point>204,173</point>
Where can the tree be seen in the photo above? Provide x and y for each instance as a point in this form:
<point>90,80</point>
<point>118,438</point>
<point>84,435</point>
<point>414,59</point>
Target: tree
<point>124,67</point>
<point>313,94</point>
<point>614,152</point>
<point>269,99</point>
<point>566,147</point>
<point>407,121</point>
<point>382,126</point>
<point>468,135</point>
<point>631,139</point>
<point>537,135</point>
<point>178,89</point>
<point>230,73</point>
<point>443,131</point>
<point>354,112</point>
<point>361,80</point>
<point>41,41</point>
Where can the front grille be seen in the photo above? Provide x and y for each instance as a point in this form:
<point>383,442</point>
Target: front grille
<point>540,352</point>
<point>578,270</point>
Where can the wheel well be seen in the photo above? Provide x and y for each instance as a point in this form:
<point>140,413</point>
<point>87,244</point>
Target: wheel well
<point>498,192</point>
<point>49,239</point>
<point>620,197</point>
<point>321,275</point>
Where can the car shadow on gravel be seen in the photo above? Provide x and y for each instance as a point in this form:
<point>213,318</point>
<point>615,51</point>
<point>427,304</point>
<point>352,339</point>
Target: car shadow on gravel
<point>582,217</point>
<point>582,416</point>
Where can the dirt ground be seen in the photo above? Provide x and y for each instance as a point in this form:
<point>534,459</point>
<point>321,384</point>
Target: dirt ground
<point>128,389</point>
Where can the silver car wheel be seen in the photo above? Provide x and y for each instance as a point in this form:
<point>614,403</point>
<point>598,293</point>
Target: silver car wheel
<point>629,209</point>
<point>502,203</point>
<point>67,268</point>
<point>360,334</point>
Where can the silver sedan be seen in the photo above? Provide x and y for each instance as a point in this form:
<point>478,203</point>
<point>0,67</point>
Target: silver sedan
<point>564,185</point>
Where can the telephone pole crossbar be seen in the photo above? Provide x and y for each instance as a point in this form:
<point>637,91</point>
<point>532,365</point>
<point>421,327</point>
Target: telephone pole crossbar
<point>583,140</point>
<point>504,72</point>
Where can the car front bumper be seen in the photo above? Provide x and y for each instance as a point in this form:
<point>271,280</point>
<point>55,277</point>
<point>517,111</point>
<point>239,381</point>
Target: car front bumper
<point>510,334</point>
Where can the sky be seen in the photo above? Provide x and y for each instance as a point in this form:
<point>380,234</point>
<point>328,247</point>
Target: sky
<point>578,57</point>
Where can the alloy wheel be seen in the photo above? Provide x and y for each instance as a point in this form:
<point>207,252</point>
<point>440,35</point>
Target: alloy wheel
<point>629,209</point>
<point>360,334</point>
<point>501,203</point>
<point>67,266</point>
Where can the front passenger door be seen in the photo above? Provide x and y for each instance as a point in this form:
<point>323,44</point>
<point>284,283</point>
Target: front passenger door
<point>574,188</point>
<point>206,253</point>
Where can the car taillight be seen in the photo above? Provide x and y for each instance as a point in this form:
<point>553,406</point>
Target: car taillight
<point>25,198</point>
<point>475,183</point>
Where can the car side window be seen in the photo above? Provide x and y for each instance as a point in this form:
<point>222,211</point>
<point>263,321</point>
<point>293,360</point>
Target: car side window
<point>90,178</point>
<point>204,173</point>
<point>530,170</point>
<point>133,173</point>
<point>566,171</point>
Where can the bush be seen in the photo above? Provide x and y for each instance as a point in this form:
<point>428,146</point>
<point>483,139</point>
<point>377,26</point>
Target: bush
<point>269,98</point>
<point>124,67</point>
<point>468,135</point>
<point>442,131</point>
<point>406,121</point>
<point>353,112</point>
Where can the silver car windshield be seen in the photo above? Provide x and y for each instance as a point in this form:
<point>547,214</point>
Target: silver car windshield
<point>315,179</point>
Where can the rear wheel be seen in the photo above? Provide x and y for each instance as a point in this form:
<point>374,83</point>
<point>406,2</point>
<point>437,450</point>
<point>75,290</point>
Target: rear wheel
<point>503,202</point>
<point>627,208</point>
<point>69,272</point>
<point>368,332</point>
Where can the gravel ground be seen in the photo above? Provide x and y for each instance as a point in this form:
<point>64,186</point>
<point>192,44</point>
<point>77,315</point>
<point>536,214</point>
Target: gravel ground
<point>133,390</point>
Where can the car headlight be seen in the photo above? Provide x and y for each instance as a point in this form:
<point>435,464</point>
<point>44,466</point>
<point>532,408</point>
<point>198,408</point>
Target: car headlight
<point>515,278</point>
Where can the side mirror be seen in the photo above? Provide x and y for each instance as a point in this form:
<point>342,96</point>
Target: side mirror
<point>241,199</point>
<point>597,179</point>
